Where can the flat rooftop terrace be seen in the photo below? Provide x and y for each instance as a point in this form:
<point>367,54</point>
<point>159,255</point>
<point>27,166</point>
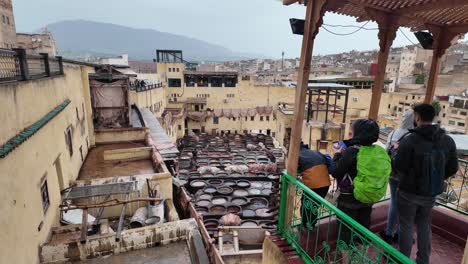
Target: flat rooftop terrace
<point>95,166</point>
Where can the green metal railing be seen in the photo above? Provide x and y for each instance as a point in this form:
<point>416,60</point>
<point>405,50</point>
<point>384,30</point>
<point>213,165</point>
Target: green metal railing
<point>455,195</point>
<point>321,237</point>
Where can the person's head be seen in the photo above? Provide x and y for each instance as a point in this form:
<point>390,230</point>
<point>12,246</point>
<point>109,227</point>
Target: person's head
<point>424,114</point>
<point>365,132</point>
<point>407,119</point>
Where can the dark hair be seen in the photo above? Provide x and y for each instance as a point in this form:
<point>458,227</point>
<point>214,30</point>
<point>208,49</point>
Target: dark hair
<point>425,111</point>
<point>366,132</point>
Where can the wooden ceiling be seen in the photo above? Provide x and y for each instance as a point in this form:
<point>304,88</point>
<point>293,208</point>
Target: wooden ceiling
<point>414,14</point>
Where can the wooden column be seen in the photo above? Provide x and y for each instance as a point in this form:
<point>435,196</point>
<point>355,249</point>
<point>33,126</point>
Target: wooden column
<point>388,25</point>
<point>314,19</point>
<point>314,15</point>
<point>443,38</point>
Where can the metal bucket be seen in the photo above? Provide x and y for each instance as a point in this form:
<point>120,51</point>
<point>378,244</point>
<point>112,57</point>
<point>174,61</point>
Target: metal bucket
<point>139,218</point>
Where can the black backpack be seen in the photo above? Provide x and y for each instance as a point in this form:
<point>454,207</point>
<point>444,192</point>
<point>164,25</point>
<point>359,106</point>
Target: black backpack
<point>392,151</point>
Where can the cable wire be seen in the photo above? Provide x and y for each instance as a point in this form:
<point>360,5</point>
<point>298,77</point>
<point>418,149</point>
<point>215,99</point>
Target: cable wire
<point>345,34</point>
<point>402,32</point>
<point>349,26</point>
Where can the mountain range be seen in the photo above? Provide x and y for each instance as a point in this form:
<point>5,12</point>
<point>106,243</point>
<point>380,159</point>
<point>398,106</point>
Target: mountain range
<point>81,38</point>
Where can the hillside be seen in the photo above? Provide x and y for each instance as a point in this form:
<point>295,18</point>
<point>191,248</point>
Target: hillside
<point>80,38</point>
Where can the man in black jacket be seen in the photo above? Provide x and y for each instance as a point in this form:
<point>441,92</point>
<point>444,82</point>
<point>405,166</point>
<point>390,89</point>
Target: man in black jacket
<point>425,158</point>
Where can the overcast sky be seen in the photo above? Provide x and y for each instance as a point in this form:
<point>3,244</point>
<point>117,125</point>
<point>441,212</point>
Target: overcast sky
<point>254,26</point>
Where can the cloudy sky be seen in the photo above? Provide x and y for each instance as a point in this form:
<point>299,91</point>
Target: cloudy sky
<point>253,26</point>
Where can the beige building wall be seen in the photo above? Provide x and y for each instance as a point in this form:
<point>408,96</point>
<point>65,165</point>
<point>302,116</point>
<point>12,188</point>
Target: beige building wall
<point>37,43</point>
<point>7,25</point>
<point>43,156</point>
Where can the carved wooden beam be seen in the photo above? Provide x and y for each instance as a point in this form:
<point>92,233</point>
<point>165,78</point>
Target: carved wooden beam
<point>388,26</point>
<point>431,6</point>
<point>443,39</point>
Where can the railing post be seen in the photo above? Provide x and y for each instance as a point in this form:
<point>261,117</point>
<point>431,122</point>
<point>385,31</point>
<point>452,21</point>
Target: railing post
<point>60,63</point>
<point>283,197</point>
<point>45,57</point>
<point>23,63</point>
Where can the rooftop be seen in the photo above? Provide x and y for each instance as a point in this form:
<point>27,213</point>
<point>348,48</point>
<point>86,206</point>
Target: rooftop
<point>99,164</point>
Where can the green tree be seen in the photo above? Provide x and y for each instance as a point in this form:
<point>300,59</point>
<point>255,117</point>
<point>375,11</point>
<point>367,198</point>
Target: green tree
<point>436,105</point>
<point>420,79</point>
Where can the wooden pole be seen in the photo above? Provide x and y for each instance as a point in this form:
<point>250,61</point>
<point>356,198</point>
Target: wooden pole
<point>84,226</point>
<point>314,19</point>
<point>442,41</point>
<point>314,14</point>
<point>388,25</point>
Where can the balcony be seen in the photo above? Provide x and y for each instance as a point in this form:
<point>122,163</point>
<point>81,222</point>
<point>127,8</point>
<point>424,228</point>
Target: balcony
<point>324,243</point>
<point>16,65</point>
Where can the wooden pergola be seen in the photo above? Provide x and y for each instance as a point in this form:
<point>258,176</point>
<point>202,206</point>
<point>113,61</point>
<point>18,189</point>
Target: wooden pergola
<point>445,19</point>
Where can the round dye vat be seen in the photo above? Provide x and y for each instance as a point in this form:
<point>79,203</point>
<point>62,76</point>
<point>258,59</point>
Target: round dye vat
<point>258,202</point>
<point>219,200</point>
<point>248,213</point>
<point>239,201</point>
<point>205,196</point>
<point>209,190</point>
<point>236,174</point>
<point>203,203</point>
<point>211,223</point>
<point>266,192</point>
<point>226,190</point>
<point>197,184</point>
<point>243,184</point>
<point>218,209</point>
<point>273,177</point>
<point>202,210</point>
<point>254,191</point>
<point>215,182</point>
<point>234,209</point>
<point>229,183</point>
<point>263,212</point>
<point>240,193</point>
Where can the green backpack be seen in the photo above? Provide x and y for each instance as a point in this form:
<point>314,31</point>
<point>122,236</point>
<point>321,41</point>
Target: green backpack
<point>373,169</point>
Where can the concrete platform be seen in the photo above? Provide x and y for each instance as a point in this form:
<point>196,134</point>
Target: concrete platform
<point>177,252</point>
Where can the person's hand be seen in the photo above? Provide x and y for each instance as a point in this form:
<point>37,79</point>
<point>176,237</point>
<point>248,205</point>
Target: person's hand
<point>396,145</point>
<point>337,150</point>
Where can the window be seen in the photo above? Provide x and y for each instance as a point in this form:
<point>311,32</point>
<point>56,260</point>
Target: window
<point>174,82</point>
<point>215,120</point>
<point>454,111</point>
<point>8,20</point>
<point>389,106</point>
<point>443,115</point>
<point>452,123</point>
<point>177,69</point>
<point>77,114</point>
<point>414,97</point>
<point>443,107</point>
<point>261,118</point>
<point>252,118</point>
<point>462,113</point>
<point>461,124</point>
<point>233,119</point>
<point>268,118</point>
<point>44,194</point>
<point>179,127</point>
<point>170,69</point>
<point>400,109</point>
<point>4,19</point>
<point>68,140</point>
<point>245,118</point>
